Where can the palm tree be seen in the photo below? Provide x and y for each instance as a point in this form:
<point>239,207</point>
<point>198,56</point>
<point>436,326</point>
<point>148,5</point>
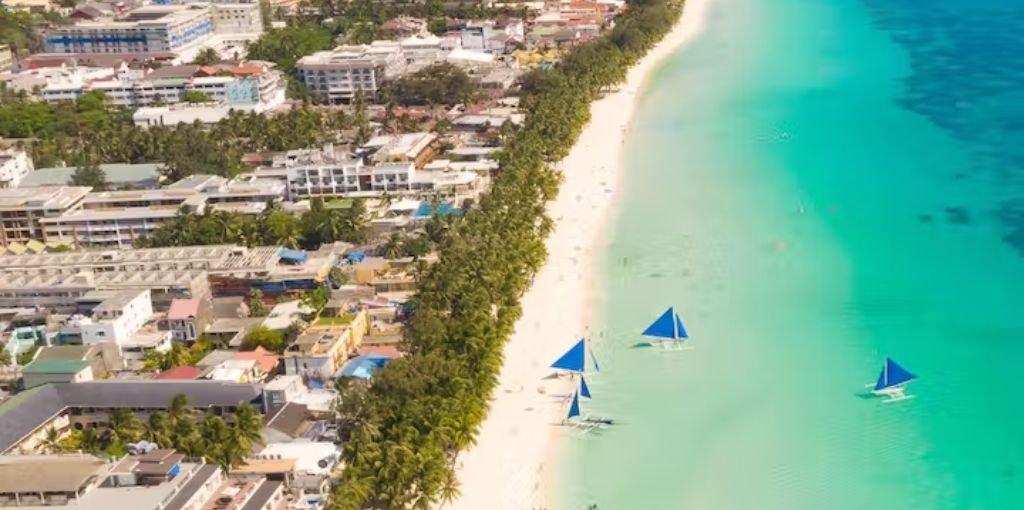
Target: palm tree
<point>247,428</point>
<point>449,487</point>
<point>51,440</point>
<point>158,429</point>
<point>176,357</point>
<point>392,249</point>
<point>89,440</point>
<point>125,426</point>
<point>218,445</point>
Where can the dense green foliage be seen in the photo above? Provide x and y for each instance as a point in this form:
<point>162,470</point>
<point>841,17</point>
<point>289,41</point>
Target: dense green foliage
<point>407,427</point>
<point>269,228</point>
<point>439,84</point>
<point>196,96</point>
<point>287,45</point>
<point>179,355</point>
<point>91,129</point>
<point>206,56</point>
<point>268,339</point>
<point>89,173</point>
<point>180,427</point>
<point>20,31</point>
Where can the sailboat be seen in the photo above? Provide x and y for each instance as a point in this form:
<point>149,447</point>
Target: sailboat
<point>892,382</point>
<point>668,328</point>
<point>584,389</point>
<point>574,408</point>
<point>574,360</point>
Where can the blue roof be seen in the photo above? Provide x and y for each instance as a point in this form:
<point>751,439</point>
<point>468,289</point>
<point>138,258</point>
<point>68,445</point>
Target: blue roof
<point>356,256</point>
<point>293,256</point>
<point>363,366</point>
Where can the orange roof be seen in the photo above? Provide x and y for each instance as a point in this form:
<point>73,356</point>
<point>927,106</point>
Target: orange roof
<point>381,350</point>
<point>264,358</point>
<point>183,308</point>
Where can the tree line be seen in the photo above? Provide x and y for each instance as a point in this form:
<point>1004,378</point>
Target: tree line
<point>272,227</point>
<point>407,427</point>
<point>92,130</point>
<point>180,427</point>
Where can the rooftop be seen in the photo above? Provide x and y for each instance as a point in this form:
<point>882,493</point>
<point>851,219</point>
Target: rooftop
<point>47,473</point>
<point>55,366</point>
<point>183,309</point>
<point>55,197</point>
<point>408,145</point>
<point>27,411</point>
<point>116,174</point>
<point>118,301</point>
<point>182,373</point>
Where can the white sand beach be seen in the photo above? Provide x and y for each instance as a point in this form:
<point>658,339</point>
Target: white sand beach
<point>509,467</point>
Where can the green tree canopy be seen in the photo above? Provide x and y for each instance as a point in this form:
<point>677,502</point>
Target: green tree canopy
<point>439,84</point>
<point>196,96</point>
<point>268,339</point>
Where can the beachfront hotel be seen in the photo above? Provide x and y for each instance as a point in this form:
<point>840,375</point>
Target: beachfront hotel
<point>159,30</point>
<point>336,75</point>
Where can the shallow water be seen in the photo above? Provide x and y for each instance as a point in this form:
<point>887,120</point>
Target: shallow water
<point>815,185</point>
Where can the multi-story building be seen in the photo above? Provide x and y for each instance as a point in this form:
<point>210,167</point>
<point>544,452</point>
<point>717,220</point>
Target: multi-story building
<point>415,148</point>
<point>322,350</point>
<point>118,317</point>
<point>62,291</point>
<point>14,166</point>
<point>240,190</point>
<point>255,84</point>
<point>492,36</point>
<point>335,76</point>
<point>59,281</point>
<point>25,417</point>
<point>21,210</point>
<point>187,318</point>
<point>118,218</point>
<point>180,30</point>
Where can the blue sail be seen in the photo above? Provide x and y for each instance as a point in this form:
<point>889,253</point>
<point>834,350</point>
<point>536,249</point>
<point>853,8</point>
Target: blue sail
<point>574,408</point>
<point>574,359</point>
<point>893,375</point>
<point>584,390</point>
<point>597,368</point>
<point>667,326</point>
<point>680,330</point>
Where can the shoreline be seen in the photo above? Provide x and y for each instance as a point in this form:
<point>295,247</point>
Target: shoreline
<point>512,465</point>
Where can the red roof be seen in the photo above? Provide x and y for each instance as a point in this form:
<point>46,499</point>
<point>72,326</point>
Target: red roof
<point>380,350</point>
<point>182,373</point>
<point>265,359</point>
<point>182,309</point>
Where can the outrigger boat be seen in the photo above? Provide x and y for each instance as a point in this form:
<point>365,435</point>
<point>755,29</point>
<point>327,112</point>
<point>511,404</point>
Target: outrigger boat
<point>667,329</point>
<point>574,361</point>
<point>892,382</point>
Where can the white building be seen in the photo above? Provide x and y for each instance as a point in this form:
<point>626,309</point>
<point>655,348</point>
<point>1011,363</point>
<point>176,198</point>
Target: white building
<point>244,189</point>
<point>255,85</point>
<point>117,318</point>
<point>14,166</point>
<point>180,30</point>
<point>492,36</point>
<point>21,210</point>
<point>118,218</point>
<point>335,76</point>
<point>422,51</point>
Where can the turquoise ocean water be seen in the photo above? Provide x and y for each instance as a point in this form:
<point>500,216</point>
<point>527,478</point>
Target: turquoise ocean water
<point>815,185</point>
